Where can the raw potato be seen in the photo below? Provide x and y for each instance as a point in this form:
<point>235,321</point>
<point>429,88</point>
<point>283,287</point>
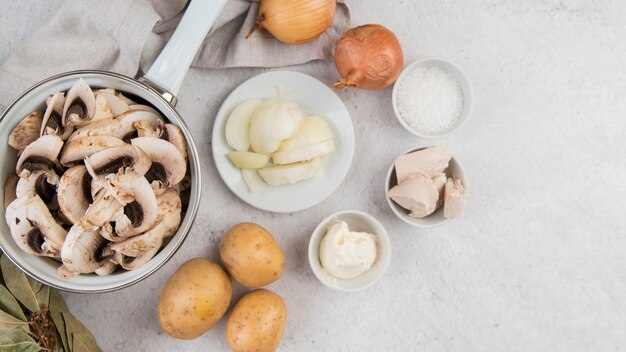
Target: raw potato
<point>194,299</point>
<point>251,255</point>
<point>257,322</point>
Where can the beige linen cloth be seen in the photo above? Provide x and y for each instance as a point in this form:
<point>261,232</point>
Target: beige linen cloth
<point>125,36</point>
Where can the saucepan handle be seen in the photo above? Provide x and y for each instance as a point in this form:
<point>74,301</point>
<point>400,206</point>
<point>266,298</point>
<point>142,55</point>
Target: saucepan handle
<point>171,66</point>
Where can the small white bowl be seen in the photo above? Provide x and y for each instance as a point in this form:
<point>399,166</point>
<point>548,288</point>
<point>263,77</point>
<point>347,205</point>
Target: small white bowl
<point>444,65</point>
<point>357,221</point>
<point>435,219</point>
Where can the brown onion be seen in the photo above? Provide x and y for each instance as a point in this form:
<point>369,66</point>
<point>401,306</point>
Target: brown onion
<point>368,57</point>
<point>295,21</point>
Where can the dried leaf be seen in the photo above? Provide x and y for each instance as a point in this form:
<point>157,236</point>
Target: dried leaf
<point>21,286</point>
<point>43,296</point>
<point>57,308</point>
<point>9,304</point>
<point>7,321</point>
<point>80,338</point>
<point>17,341</point>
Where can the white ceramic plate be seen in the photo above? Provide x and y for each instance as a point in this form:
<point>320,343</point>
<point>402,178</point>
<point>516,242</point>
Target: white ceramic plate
<point>314,98</point>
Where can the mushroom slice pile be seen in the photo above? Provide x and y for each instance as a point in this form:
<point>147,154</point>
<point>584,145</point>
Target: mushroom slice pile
<point>33,228</point>
<point>106,168</point>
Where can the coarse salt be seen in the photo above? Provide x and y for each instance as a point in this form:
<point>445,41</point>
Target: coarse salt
<point>430,100</point>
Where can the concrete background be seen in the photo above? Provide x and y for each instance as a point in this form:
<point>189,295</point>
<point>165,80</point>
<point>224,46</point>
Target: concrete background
<point>538,264</point>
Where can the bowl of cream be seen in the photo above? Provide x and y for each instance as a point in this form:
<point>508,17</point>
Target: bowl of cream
<point>349,251</point>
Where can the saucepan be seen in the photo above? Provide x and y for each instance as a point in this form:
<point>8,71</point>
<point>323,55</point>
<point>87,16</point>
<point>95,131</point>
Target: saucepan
<point>157,88</point>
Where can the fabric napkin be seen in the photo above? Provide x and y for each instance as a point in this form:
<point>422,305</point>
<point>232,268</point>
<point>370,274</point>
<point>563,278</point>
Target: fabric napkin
<point>126,36</point>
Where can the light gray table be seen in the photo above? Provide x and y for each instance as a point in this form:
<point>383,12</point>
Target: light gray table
<point>539,262</point>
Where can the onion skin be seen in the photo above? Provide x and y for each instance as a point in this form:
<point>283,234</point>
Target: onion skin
<point>368,57</point>
<point>295,21</point>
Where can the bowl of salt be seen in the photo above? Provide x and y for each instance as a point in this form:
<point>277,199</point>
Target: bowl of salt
<point>432,98</point>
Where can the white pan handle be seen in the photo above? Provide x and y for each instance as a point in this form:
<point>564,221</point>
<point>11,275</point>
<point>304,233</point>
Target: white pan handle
<point>169,69</point>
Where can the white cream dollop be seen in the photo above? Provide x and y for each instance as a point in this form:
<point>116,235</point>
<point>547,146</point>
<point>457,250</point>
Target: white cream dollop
<point>345,254</point>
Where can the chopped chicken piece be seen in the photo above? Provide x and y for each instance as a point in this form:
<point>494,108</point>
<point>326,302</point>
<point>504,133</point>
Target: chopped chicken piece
<point>418,194</point>
<point>455,199</point>
<point>440,184</point>
<point>430,162</point>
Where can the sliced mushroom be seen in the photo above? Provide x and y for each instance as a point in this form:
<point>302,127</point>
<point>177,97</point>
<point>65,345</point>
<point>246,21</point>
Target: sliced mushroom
<point>107,268</point>
<point>168,165</point>
<point>140,214</point>
<point>141,107</point>
<point>108,232</point>
<point>75,151</point>
<point>169,215</point>
<point>26,131</point>
<point>132,263</point>
<point>84,251</point>
<point>95,187</point>
<point>127,130</point>
<point>119,185</point>
<point>52,121</point>
<point>33,228</point>
<point>110,91</point>
<point>136,245</point>
<point>80,105</point>
<point>145,129</point>
<point>74,193</point>
<point>174,135</point>
<point>103,109</point>
<point>116,105</point>
<point>125,99</point>
<point>42,183</point>
<point>104,208</point>
<point>128,159</point>
<point>39,155</point>
<point>10,189</point>
<point>108,127</point>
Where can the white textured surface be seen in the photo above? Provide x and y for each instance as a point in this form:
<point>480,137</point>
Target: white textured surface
<point>539,262</point>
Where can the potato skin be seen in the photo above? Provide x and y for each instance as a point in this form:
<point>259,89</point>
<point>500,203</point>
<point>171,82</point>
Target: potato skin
<point>194,299</point>
<point>257,322</point>
<point>251,255</point>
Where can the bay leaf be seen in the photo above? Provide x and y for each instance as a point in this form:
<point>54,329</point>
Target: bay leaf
<point>57,307</point>
<point>21,286</point>
<point>43,296</point>
<point>17,341</point>
<point>7,322</point>
<point>9,304</point>
<point>82,340</point>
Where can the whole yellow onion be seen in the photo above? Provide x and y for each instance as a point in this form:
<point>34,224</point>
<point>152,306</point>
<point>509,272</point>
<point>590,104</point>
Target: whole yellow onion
<point>368,57</point>
<point>295,21</point>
